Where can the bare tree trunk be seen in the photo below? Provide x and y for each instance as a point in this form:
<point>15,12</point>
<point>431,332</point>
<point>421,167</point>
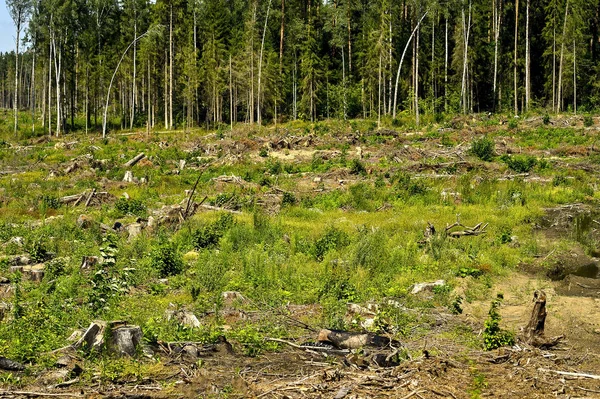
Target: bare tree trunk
<point>497,24</point>
<point>417,77</point>
<point>379,95</point>
<point>134,88</point>
<point>466,31</point>
<point>389,110</point>
<point>515,56</point>
<point>50,88</point>
<point>18,22</point>
<point>574,79</point>
<point>560,65</point>
<point>433,90</point>
<point>446,68</point>
<point>554,67</point>
<point>44,98</point>
<point>171,49</point>
<point>166,95</point>
<point>57,70</point>
<point>33,93</point>
<point>262,46</point>
<point>252,66</point>
<point>527,61</point>
<point>400,64</point>
<point>230,94</point>
<point>349,39</point>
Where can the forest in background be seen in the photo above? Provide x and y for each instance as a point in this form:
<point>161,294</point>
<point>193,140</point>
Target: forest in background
<point>204,63</point>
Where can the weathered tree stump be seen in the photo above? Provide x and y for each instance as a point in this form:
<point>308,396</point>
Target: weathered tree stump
<point>534,331</point>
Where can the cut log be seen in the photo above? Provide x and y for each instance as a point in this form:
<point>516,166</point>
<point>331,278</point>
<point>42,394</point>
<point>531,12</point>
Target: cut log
<point>10,365</point>
<point>135,160</point>
<point>353,340</point>
<point>534,331</point>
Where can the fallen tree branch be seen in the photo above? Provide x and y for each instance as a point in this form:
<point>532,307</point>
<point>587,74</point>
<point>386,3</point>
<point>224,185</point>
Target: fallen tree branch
<point>87,203</point>
<point>310,348</point>
<point>32,393</point>
<point>570,374</point>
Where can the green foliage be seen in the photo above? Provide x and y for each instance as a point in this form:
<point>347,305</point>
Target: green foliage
<point>493,336</point>
<point>469,271</point>
<point>519,163</point>
<point>38,250</point>
<point>210,234</point>
<point>588,121</point>
<point>484,148</point>
<point>288,199</point>
<point>125,206</point>
<point>333,239</point>
<point>166,260</point>
<point>357,167</point>
<point>263,152</point>
<point>456,305</point>
<point>546,119</point>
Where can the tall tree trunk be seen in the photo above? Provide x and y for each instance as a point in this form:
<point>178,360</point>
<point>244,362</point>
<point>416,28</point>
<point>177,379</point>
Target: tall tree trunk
<point>33,92</point>
<point>379,96</point>
<point>171,49</point>
<point>18,21</point>
<point>417,77</point>
<point>50,88</point>
<point>262,46</point>
<point>560,65</point>
<point>400,64</point>
<point>515,81</point>
<point>230,94</point>
<point>466,31</point>
<point>554,66</point>
<point>497,23</point>
<point>134,87</point>
<point>166,95</point>
<point>527,61</point>
<point>433,88</point>
<point>446,67</point>
<point>574,79</point>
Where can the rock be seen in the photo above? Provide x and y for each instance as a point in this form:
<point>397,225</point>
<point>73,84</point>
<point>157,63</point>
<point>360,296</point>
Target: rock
<point>231,296</point>
<point>10,365</point>
<point>85,222</point>
<point>134,230</point>
<point>597,331</point>
<point>181,164</point>
<point>190,351</point>
<point>355,309</point>
<point>31,273</point>
<point>128,178</point>
<point>19,260</point>
<point>317,180</point>
<point>54,376</point>
<point>427,286</point>
<point>183,317</point>
<point>124,340</point>
<point>18,241</point>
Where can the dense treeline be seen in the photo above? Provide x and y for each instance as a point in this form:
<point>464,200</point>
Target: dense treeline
<point>192,62</point>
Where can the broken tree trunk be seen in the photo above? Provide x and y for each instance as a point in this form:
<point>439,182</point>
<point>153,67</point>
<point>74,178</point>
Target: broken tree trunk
<point>135,160</point>
<point>534,331</point>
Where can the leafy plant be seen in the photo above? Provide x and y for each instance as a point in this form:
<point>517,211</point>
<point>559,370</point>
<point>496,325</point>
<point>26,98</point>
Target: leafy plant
<point>519,163</point>
<point>357,167</point>
<point>484,149</point>
<point>210,234</point>
<point>493,336</point>
<point>588,121</point>
<point>167,260</point>
<point>130,206</point>
<point>288,199</point>
<point>333,238</point>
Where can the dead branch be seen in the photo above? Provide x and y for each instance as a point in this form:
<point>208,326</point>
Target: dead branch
<point>570,374</point>
<point>34,394</point>
<point>216,208</point>
<point>310,348</point>
<point>87,203</point>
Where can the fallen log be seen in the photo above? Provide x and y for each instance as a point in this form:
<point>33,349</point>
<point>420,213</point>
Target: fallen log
<point>570,374</point>
<point>135,160</point>
<point>10,365</point>
<point>87,203</point>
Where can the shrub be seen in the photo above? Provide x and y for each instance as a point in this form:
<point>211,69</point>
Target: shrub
<point>167,260</point>
<point>288,199</point>
<point>263,152</point>
<point>130,206</point>
<point>588,121</point>
<point>493,336</point>
<point>357,167</point>
<point>484,148</point>
<point>519,163</point>
<point>546,119</point>
<point>210,234</point>
<point>333,238</point>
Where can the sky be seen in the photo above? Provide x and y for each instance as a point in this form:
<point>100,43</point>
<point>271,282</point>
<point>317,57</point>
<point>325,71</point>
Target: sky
<point>7,29</point>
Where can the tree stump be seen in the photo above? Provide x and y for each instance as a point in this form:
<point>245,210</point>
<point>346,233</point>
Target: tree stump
<point>534,331</point>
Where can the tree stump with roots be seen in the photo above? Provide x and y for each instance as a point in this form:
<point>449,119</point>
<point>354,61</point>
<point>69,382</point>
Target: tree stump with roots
<point>534,331</point>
